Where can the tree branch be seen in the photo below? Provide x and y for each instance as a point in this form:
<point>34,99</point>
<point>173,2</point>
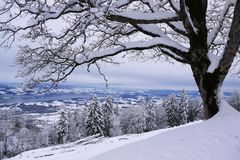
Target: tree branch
<point>233,43</point>
<point>213,34</point>
<point>135,17</point>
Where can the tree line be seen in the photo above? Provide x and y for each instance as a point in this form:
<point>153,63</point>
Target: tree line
<point>21,133</point>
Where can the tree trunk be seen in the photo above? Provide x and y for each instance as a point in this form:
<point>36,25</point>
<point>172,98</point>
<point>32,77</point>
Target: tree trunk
<point>209,85</point>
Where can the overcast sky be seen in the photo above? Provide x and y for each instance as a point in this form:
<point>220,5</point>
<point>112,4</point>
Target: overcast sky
<point>131,74</point>
<point>154,75</point>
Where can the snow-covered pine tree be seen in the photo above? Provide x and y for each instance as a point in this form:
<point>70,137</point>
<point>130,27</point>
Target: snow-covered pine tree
<point>171,109</point>
<point>95,120</point>
<point>116,128</point>
<point>79,119</point>
<point>1,150</point>
<point>138,123</point>
<point>116,110</point>
<point>52,137</point>
<point>150,117</point>
<point>108,105</point>
<point>71,132</point>
<point>111,117</point>
<point>62,128</point>
<point>234,100</point>
<point>183,108</point>
<point>195,111</point>
<point>79,123</point>
<point>132,121</point>
<point>160,116</point>
<point>108,113</point>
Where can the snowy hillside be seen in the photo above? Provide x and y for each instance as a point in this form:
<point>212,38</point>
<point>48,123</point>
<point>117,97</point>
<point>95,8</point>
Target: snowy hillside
<point>89,147</point>
<point>215,139</point>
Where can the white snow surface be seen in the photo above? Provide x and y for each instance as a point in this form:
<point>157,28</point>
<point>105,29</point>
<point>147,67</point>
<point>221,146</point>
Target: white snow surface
<point>214,139</point>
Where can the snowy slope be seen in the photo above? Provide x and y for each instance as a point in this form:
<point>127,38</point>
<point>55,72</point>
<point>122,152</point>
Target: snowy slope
<point>88,147</point>
<point>215,139</point>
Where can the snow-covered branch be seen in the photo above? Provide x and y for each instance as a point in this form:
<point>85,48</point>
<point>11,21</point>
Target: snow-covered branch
<point>214,32</point>
<point>188,22</point>
<point>233,43</point>
<point>164,42</point>
<point>135,17</point>
<point>56,64</point>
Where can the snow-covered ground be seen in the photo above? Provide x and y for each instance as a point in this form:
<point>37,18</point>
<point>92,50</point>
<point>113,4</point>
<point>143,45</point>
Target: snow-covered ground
<point>89,148</point>
<point>215,139</point>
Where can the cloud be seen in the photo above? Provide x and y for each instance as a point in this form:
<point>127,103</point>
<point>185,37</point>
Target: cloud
<point>131,74</point>
<point>8,69</point>
<point>139,75</point>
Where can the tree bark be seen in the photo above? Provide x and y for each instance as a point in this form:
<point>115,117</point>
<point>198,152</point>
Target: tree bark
<point>209,85</point>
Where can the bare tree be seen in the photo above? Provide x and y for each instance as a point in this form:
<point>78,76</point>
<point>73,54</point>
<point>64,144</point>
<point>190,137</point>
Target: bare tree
<point>202,34</point>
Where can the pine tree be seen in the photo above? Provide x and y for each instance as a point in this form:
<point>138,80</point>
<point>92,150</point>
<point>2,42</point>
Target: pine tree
<point>95,120</point>
<point>1,150</point>
<point>108,105</point>
<point>62,128</point>
<point>71,132</point>
<point>108,115</point>
<point>116,128</point>
<point>53,137</point>
<point>79,118</point>
<point>138,123</point>
<point>132,121</point>
<point>183,108</point>
<point>171,108</point>
<point>116,110</point>
<point>150,117</point>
